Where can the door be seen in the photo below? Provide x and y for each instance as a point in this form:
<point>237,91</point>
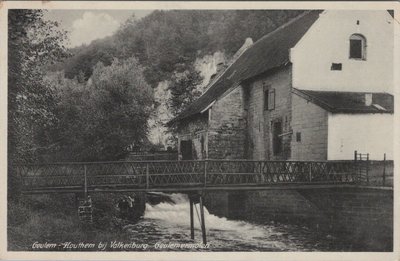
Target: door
<point>276,138</point>
<point>186,150</point>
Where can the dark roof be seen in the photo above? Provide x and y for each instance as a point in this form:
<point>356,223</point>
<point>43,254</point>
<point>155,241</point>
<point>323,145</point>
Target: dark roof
<point>270,52</point>
<point>348,102</point>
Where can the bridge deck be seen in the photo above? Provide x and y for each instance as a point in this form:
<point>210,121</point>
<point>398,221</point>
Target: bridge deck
<point>184,175</point>
<point>190,189</point>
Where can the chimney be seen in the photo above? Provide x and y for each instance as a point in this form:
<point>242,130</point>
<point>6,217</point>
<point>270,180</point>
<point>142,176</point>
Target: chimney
<point>368,99</point>
<point>247,43</point>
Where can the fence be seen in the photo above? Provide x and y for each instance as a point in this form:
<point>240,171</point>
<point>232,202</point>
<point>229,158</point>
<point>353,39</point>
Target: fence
<point>374,172</point>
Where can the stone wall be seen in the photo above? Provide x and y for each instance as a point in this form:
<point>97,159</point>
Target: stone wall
<point>365,215</point>
<point>260,120</point>
<point>362,216</point>
<point>310,130</point>
<point>227,127</point>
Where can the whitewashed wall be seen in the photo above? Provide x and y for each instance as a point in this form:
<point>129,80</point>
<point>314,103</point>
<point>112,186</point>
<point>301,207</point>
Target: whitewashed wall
<point>327,42</point>
<point>366,133</point>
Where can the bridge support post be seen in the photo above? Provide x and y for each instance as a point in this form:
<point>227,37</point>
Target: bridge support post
<point>191,218</point>
<point>203,224</point>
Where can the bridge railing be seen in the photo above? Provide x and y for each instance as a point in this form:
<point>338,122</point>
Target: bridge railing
<point>195,173</point>
<point>279,172</point>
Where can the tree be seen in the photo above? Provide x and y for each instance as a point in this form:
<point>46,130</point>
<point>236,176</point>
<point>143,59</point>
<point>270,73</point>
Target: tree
<point>86,57</point>
<point>32,44</point>
<point>100,119</point>
<point>184,89</point>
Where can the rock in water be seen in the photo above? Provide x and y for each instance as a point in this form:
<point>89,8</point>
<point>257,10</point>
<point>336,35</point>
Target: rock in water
<point>131,207</point>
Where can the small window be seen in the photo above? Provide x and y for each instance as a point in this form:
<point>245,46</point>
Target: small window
<point>358,47</point>
<point>269,98</point>
<point>298,136</point>
<point>336,67</point>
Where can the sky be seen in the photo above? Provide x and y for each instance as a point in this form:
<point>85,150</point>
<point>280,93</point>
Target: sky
<point>84,26</point>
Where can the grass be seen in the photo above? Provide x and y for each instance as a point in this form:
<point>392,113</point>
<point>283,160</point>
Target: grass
<point>54,219</point>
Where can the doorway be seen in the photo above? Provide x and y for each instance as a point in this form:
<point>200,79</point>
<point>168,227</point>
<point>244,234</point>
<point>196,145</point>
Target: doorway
<point>276,138</point>
<point>186,149</point>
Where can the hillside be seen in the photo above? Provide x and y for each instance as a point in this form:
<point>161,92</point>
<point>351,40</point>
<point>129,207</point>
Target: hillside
<point>168,41</point>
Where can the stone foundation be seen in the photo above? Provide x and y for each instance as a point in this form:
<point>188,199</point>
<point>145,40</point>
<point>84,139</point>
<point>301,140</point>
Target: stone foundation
<point>362,216</point>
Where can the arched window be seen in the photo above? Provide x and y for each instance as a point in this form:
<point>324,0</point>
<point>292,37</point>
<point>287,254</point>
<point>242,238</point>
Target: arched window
<point>358,47</point>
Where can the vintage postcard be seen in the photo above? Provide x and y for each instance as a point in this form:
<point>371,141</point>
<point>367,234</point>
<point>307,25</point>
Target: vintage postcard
<point>199,130</point>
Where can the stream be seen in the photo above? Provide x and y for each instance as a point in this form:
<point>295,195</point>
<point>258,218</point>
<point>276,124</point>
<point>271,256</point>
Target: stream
<point>166,227</point>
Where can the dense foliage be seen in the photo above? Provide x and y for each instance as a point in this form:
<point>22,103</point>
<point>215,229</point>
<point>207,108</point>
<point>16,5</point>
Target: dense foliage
<point>183,88</point>
<point>99,119</point>
<point>32,44</point>
<point>166,42</point>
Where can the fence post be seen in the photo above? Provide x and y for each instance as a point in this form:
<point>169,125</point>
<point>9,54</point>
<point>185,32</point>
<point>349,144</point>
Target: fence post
<point>310,171</point>
<point>205,173</point>
<point>147,176</point>
<point>357,169</point>
<point>384,169</point>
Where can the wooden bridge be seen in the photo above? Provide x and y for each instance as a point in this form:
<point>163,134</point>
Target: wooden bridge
<point>180,176</point>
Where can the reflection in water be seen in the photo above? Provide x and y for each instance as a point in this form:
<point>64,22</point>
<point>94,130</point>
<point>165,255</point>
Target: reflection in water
<point>170,223</point>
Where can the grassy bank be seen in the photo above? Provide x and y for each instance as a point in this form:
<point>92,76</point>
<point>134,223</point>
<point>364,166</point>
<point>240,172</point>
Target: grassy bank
<point>54,219</point>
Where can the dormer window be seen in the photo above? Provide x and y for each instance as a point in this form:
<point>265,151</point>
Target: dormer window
<point>358,46</point>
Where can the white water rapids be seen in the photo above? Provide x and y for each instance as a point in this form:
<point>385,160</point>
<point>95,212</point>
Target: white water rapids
<point>168,223</point>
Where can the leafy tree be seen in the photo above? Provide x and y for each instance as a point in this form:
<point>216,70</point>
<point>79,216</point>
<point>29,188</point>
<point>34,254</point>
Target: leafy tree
<point>86,57</point>
<point>100,119</point>
<point>32,44</point>
<point>184,89</point>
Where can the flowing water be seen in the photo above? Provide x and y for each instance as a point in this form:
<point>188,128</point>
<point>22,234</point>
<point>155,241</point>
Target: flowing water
<point>166,227</point>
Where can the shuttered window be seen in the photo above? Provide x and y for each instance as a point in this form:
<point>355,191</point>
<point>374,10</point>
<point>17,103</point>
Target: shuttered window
<point>269,98</point>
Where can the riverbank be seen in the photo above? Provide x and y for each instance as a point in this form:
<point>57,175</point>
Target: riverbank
<point>36,222</point>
